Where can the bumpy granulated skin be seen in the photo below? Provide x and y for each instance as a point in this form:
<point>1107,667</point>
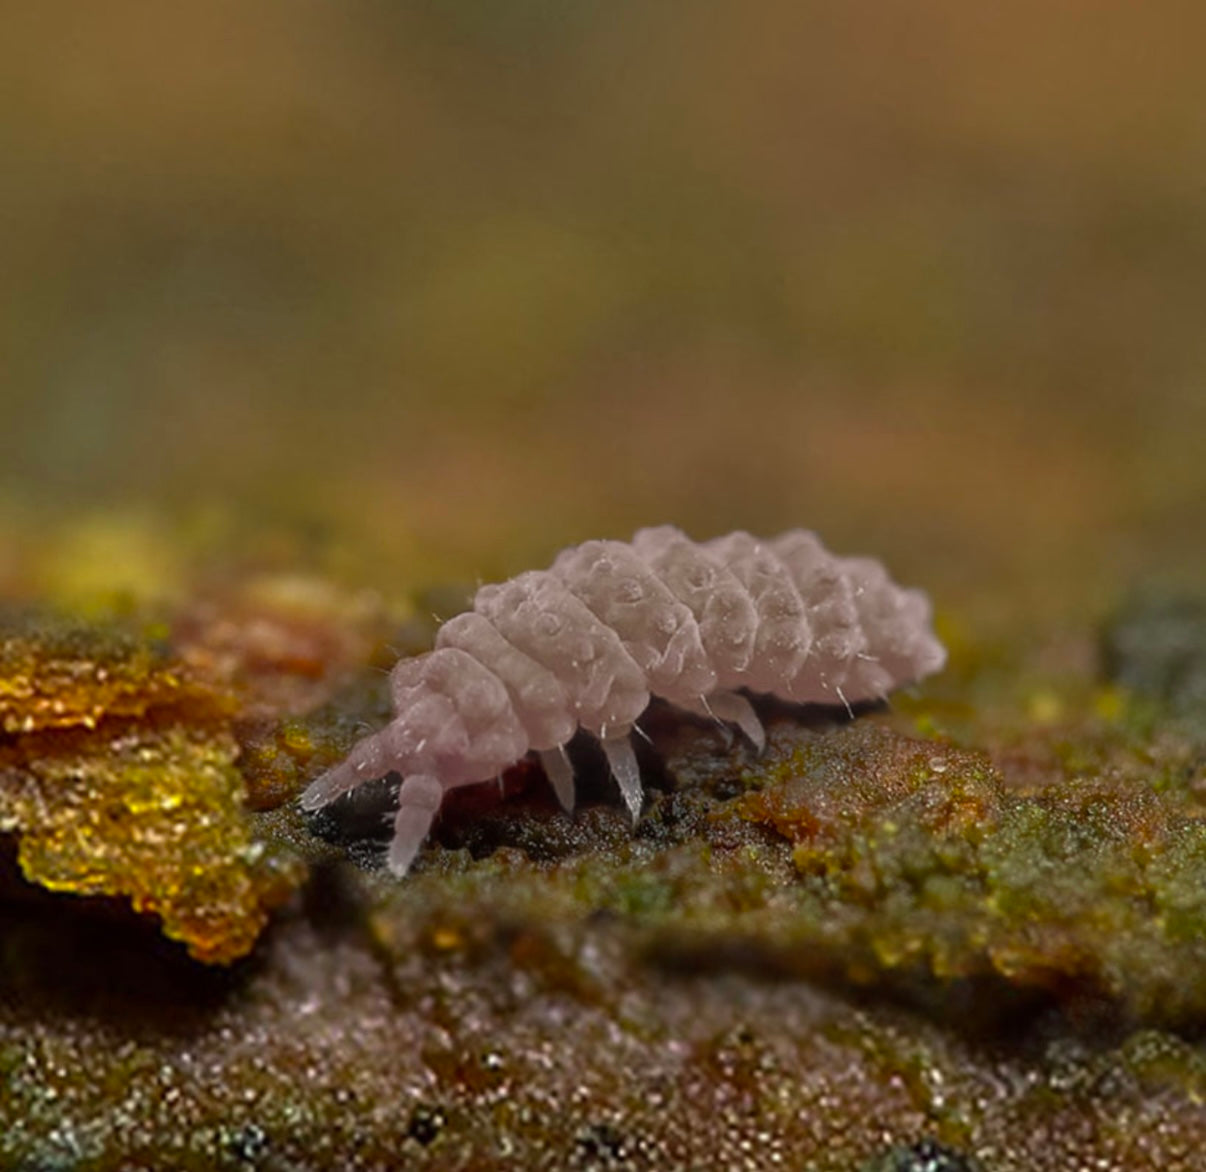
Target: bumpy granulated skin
<point>587,643</point>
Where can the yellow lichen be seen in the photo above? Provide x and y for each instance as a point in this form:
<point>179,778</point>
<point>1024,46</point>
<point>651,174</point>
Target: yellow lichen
<point>154,816</point>
<point>118,777</point>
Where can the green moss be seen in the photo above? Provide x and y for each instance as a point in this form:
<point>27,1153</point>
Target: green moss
<point>1156,647</point>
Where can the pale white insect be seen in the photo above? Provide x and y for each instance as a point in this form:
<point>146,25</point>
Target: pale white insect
<point>588,643</point>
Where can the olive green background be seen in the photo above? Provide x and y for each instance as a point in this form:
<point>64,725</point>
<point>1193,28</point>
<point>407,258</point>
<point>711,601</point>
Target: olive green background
<point>457,283</point>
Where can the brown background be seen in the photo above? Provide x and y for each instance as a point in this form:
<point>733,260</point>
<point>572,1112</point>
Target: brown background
<point>461,282</point>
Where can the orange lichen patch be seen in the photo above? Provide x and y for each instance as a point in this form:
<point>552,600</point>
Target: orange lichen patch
<point>54,678</point>
<point>279,757</point>
<point>153,814</point>
<point>283,639</point>
<point>275,759</point>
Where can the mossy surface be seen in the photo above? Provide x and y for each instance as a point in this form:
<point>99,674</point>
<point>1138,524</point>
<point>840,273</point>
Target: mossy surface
<point>966,929</point>
<point>853,852</point>
<point>546,1046</point>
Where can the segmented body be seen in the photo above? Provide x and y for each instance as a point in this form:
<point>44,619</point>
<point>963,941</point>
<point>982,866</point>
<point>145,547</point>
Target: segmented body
<point>587,643</point>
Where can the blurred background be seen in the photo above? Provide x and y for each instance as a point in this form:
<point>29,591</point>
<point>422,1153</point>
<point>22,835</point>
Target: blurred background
<point>452,284</point>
